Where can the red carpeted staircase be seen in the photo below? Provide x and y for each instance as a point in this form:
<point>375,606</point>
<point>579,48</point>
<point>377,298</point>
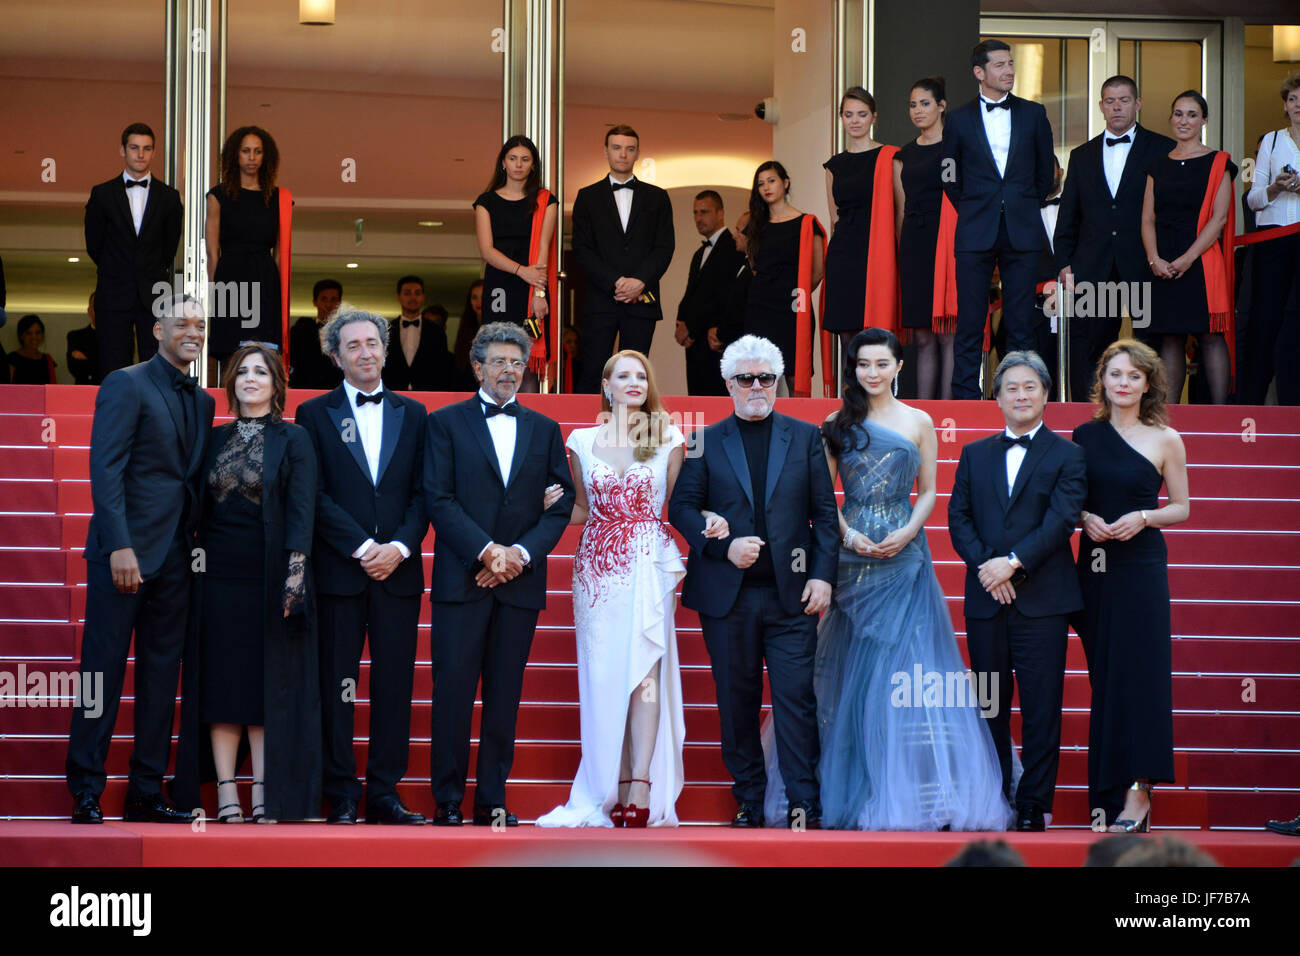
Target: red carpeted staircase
<point>1234,576</point>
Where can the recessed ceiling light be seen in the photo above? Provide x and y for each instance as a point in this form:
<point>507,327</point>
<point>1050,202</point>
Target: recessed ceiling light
<point>74,258</point>
<point>352,265</point>
<point>431,223</point>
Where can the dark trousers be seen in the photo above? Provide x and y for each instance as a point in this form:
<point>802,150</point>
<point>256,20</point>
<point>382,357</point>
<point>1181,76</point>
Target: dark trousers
<point>599,330</point>
<point>115,329</point>
<point>1272,343</point>
<point>704,370</point>
<point>1089,337</point>
<point>156,613</point>
<point>486,639</point>
<point>392,624</point>
<point>1033,649</point>
<point>758,629</point>
<point>1018,271</point>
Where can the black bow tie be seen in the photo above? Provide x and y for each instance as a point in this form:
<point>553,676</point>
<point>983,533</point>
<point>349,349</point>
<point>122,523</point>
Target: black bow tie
<point>1122,139</point>
<point>626,185</point>
<point>186,383</point>
<point>1004,105</point>
<point>367,399</point>
<point>142,183</point>
<point>406,322</point>
<point>1023,441</point>
<point>707,242</point>
<point>1051,202</point>
<point>512,409</point>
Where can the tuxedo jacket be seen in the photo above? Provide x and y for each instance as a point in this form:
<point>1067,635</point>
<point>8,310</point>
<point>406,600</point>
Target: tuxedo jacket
<point>350,507</point>
<point>144,467</point>
<point>129,265</point>
<point>431,370</point>
<point>86,341</point>
<point>1096,231</point>
<point>1035,521</point>
<point>803,529</point>
<point>471,503</point>
<point>709,287</point>
<point>604,251</point>
<point>980,194</point>
<point>311,368</point>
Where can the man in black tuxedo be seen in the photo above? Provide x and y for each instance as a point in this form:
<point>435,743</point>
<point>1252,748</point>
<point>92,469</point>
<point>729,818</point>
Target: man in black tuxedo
<point>146,451</point>
<point>623,242</point>
<point>133,224</point>
<point>312,368</point>
<point>1099,229</point>
<point>370,524</point>
<point>997,167</point>
<point>418,360</point>
<point>1015,501</point>
<point>760,591</point>
<point>488,463</point>
<point>83,350</point>
<point>708,292</point>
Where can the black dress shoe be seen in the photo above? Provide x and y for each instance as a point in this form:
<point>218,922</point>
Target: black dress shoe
<point>1030,819</point>
<point>448,815</point>
<point>391,811</point>
<point>804,815</point>
<point>748,815</point>
<point>152,809</point>
<point>494,816</point>
<point>87,809</point>
<point>345,811</point>
<point>1285,827</point>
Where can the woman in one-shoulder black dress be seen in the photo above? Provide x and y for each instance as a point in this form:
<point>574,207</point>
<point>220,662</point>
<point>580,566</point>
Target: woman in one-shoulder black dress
<point>1124,576</point>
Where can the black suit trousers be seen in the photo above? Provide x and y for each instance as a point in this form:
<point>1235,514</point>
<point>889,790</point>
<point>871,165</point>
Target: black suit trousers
<point>758,629</point>
<point>115,329</point>
<point>156,613</point>
<point>1030,652</point>
<point>392,623</point>
<point>703,370</point>
<point>1272,345</point>
<point>599,330</point>
<point>1018,270</point>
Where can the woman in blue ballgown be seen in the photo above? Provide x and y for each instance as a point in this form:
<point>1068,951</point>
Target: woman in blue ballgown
<point>903,745</point>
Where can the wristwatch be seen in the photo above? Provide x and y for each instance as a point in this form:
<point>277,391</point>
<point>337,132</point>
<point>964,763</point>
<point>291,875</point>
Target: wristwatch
<point>1016,563</point>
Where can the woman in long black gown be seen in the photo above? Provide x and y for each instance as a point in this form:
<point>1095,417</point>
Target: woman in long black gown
<point>1123,572</point>
<point>1179,252</point>
<point>253,642</point>
<point>773,229</point>
<point>242,233</point>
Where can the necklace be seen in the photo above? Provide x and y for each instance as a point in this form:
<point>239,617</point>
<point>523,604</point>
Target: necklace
<point>249,428</point>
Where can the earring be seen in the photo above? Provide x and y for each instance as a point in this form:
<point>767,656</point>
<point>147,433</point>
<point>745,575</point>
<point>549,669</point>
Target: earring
<point>895,386</point>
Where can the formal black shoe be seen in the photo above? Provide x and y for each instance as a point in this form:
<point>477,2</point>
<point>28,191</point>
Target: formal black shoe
<point>748,815</point>
<point>1030,819</point>
<point>494,816</point>
<point>345,811</point>
<point>391,811</point>
<point>804,815</point>
<point>87,809</point>
<point>448,815</point>
<point>1285,827</point>
<point>152,809</point>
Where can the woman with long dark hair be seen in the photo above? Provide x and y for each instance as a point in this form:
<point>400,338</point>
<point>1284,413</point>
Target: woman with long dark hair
<point>243,240</point>
<point>29,365</point>
<point>1187,227</point>
<point>927,224</point>
<point>1124,574</point>
<point>515,222</point>
<point>471,317</point>
<point>787,254</point>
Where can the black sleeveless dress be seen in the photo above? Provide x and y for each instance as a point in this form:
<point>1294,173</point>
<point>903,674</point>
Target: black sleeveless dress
<point>853,188</point>
<point>505,296</point>
<point>1124,625</point>
<point>923,200</point>
<point>770,311</point>
<point>244,312</point>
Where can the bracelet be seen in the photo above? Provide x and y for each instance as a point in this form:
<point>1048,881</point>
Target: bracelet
<point>1144,518</point>
<point>517,268</point>
<point>848,538</point>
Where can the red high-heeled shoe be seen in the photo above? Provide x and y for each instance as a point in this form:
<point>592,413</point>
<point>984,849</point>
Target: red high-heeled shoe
<point>634,816</point>
<point>616,814</point>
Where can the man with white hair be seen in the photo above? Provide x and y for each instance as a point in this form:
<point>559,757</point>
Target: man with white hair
<point>759,591</point>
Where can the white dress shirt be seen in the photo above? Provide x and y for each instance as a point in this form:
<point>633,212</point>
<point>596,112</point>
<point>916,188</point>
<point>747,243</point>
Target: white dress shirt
<point>1049,214</point>
<point>503,429</point>
<point>622,199</point>
<point>997,127</point>
<point>1276,151</point>
<point>1114,157</point>
<point>410,336</point>
<point>1016,456</point>
<point>370,430</point>
<point>713,241</point>
<point>137,197</point>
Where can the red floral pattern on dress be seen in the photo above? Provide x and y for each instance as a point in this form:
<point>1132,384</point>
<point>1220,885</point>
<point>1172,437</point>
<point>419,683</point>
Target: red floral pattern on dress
<point>623,520</point>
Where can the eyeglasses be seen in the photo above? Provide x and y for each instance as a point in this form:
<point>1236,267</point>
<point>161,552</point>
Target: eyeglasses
<point>747,379</point>
<point>497,364</point>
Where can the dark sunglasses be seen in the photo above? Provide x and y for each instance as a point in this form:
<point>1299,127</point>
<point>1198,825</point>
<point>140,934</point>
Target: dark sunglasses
<point>747,379</point>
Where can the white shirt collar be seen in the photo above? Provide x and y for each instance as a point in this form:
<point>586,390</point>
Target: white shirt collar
<point>630,177</point>
<point>352,391</point>
<point>713,238</point>
<point>987,100</point>
<point>1031,433</point>
<point>487,399</point>
<point>1131,133</point>
<point>128,178</point>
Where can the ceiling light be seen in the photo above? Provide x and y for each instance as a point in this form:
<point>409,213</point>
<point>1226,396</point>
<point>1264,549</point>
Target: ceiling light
<point>352,265</point>
<point>1286,44</point>
<point>316,13</point>
<point>431,223</point>
<point>74,258</point>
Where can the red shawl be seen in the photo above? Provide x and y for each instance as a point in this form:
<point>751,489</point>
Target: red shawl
<point>1216,261</point>
<point>944,306</point>
<point>286,243</point>
<point>540,353</point>
<point>804,329</point>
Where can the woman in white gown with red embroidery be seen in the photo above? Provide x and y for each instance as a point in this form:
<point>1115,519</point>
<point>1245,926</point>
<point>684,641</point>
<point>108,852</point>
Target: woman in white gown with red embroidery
<point>624,575</point>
